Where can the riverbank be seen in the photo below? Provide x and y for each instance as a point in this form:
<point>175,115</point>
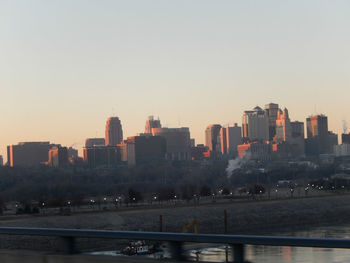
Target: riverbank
<point>255,217</point>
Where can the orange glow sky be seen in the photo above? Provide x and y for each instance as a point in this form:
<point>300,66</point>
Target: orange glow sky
<point>66,66</point>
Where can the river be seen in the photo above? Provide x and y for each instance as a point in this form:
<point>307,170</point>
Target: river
<point>270,254</point>
<point>264,254</point>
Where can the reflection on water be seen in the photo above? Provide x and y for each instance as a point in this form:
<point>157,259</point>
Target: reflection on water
<point>270,254</point>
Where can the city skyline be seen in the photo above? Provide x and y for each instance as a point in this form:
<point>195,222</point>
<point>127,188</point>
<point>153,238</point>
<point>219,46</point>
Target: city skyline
<point>66,67</point>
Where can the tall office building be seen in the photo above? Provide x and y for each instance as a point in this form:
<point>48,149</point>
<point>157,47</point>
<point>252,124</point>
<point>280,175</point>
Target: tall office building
<point>152,123</point>
<point>272,112</point>
<point>114,132</point>
<point>298,137</point>
<point>255,124</point>
<point>212,138</point>
<point>144,149</point>
<point>283,127</point>
<point>1,161</point>
<point>317,135</point>
<point>230,138</point>
<point>178,142</point>
<point>28,154</point>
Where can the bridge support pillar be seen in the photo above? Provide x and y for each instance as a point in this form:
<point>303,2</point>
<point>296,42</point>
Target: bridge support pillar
<point>70,245</point>
<point>238,253</point>
<point>177,251</point>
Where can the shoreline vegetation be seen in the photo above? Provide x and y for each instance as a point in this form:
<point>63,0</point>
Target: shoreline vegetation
<point>251,218</point>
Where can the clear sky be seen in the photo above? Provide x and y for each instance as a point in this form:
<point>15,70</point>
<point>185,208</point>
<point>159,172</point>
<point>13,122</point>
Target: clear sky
<point>65,66</point>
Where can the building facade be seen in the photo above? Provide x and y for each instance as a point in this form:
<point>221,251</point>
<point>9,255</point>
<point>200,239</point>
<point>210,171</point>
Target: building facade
<point>345,138</point>
<point>152,123</point>
<point>145,149</point>
<point>317,135</point>
<point>255,125</point>
<point>114,132</point>
<point>58,157</point>
<point>91,142</point>
<point>212,138</point>
<point>178,142</point>
<point>272,112</point>
<point>27,154</point>
<point>283,127</point>
<point>230,138</point>
<point>102,156</point>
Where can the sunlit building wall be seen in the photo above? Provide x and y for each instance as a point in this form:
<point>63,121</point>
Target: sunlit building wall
<point>255,125</point>
<point>114,132</point>
<point>212,138</point>
<point>152,123</point>
<point>283,127</point>
<point>317,135</point>
<point>230,137</point>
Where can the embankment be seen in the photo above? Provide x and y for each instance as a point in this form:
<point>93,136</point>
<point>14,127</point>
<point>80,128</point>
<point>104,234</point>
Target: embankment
<point>258,217</point>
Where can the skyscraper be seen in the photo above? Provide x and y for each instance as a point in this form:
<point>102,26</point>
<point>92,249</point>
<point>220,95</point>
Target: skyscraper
<point>178,142</point>
<point>114,132</point>
<point>1,161</point>
<point>230,138</point>
<point>255,124</point>
<point>317,135</point>
<point>272,111</point>
<point>283,127</point>
<point>212,137</point>
<point>152,123</point>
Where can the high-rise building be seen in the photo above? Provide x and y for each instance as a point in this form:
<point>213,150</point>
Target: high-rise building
<point>317,135</point>
<point>255,124</point>
<point>91,142</point>
<point>58,157</point>
<point>212,137</point>
<point>102,156</point>
<point>345,138</point>
<point>298,137</point>
<point>28,154</point>
<point>114,131</point>
<point>152,123</point>
<point>283,127</point>
<point>272,112</point>
<point>230,138</point>
<point>333,140</point>
<point>1,161</point>
<point>178,142</point>
<point>144,149</point>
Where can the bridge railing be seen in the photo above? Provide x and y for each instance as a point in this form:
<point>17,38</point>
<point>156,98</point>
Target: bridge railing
<point>176,240</point>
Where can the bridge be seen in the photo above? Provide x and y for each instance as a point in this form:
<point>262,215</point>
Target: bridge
<point>175,240</point>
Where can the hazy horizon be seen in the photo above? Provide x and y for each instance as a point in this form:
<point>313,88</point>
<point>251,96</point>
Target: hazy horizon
<point>67,66</point>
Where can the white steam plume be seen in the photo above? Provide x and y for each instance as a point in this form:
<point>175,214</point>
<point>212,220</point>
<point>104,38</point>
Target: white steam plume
<point>236,164</point>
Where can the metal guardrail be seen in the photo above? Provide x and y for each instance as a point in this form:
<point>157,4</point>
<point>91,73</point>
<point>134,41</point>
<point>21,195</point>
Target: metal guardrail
<point>176,240</point>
